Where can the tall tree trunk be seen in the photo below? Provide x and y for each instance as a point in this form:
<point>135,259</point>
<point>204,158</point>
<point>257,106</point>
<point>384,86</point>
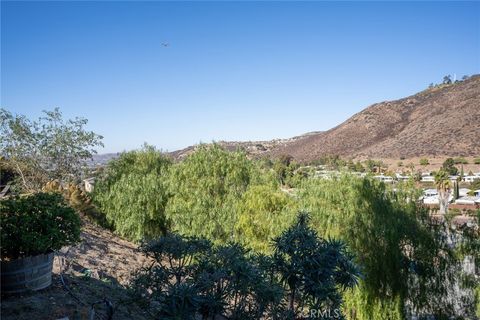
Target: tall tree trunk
<point>443,196</point>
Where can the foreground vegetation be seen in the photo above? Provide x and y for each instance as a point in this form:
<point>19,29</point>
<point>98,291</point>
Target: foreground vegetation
<point>304,277</point>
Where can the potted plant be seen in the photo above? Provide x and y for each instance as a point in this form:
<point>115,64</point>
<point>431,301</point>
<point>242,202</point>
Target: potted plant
<point>32,227</point>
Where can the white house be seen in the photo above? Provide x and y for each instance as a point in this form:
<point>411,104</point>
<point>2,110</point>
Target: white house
<point>453,178</point>
<point>430,192</point>
<point>463,192</point>
<point>467,200</point>
<point>431,200</point>
<point>428,179</point>
<point>384,178</point>
<point>471,178</point>
<point>434,199</point>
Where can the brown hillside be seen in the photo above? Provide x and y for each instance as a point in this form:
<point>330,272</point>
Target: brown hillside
<point>443,121</point>
<point>436,123</point>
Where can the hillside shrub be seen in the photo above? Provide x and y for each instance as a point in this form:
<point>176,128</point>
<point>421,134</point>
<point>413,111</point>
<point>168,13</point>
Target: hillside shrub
<point>424,162</point>
<point>133,193</point>
<point>36,224</point>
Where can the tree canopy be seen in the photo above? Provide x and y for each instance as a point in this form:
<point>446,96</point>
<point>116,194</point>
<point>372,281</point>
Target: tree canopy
<point>45,149</point>
<point>388,236</point>
<point>133,193</point>
<point>207,187</point>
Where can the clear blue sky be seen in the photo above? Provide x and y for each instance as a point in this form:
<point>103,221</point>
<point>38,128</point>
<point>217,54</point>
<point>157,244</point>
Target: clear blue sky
<point>232,70</point>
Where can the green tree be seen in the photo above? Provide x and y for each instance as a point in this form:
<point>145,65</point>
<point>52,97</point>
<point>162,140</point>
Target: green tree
<point>46,149</point>
<point>207,187</point>
<point>411,167</point>
<point>359,167</point>
<point>361,212</point>
<point>263,213</point>
<point>133,193</point>
<point>456,190</point>
<point>375,166</point>
<point>475,184</point>
<point>449,167</point>
<point>284,168</point>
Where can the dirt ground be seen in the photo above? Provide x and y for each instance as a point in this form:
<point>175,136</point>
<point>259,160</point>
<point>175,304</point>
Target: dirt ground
<point>98,268</point>
<point>435,163</point>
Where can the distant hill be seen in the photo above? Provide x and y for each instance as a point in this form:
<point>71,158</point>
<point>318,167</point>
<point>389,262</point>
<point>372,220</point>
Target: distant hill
<point>437,122</point>
<point>253,148</point>
<point>102,159</point>
<point>442,121</point>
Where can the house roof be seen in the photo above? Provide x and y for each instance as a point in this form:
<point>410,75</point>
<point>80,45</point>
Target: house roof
<point>468,199</point>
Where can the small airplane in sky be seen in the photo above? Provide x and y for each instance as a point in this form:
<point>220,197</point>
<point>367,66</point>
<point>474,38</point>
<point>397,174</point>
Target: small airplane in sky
<point>165,44</point>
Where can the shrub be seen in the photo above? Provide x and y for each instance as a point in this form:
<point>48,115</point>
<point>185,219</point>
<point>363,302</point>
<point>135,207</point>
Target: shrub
<point>312,270</point>
<point>424,162</point>
<point>133,193</point>
<point>190,278</point>
<point>476,161</point>
<point>36,224</point>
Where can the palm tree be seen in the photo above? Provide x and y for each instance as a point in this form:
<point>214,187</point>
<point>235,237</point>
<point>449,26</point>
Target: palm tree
<point>444,187</point>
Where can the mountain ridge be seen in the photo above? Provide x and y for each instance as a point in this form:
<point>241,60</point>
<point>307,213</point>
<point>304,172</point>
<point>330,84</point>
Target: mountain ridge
<point>439,121</point>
